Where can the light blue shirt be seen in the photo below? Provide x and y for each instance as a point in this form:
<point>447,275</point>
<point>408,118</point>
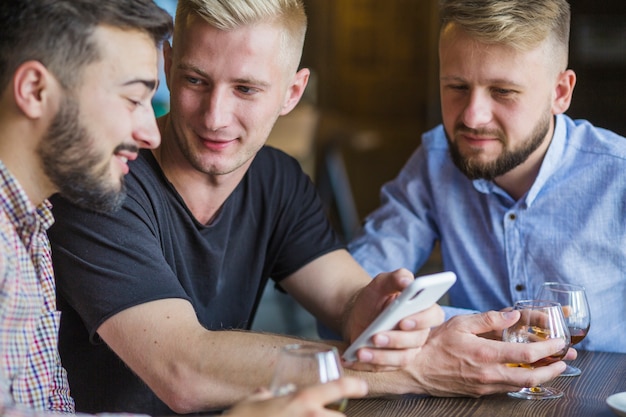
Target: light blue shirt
<point>569,227</point>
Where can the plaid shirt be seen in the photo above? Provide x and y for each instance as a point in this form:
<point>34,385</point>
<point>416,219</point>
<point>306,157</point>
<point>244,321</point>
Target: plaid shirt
<point>30,371</point>
<point>32,381</point>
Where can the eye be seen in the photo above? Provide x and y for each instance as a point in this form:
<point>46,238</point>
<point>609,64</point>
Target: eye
<point>457,87</point>
<point>503,91</point>
<point>135,103</point>
<point>193,80</point>
<point>248,91</point>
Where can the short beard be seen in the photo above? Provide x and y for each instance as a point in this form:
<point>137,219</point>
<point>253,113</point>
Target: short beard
<point>70,162</point>
<point>509,159</point>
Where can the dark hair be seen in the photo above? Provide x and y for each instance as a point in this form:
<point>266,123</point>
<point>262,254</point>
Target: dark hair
<point>58,33</point>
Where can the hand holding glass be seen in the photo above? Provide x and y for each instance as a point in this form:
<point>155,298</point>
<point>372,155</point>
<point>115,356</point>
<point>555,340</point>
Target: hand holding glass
<point>539,320</point>
<point>303,365</point>
<point>575,309</point>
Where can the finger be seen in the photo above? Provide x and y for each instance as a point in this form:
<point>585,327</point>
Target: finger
<point>571,354</point>
<point>392,282</point>
<point>388,358</point>
<point>431,317</point>
<point>400,339</point>
<point>525,377</point>
<point>532,352</point>
<point>490,321</point>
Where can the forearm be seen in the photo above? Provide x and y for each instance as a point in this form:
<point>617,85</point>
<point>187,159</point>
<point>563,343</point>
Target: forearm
<point>188,367</point>
<point>230,366</point>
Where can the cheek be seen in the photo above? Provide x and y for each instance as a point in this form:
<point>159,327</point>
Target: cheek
<point>257,118</point>
<point>450,112</point>
<point>189,103</point>
<point>104,132</point>
<point>518,121</point>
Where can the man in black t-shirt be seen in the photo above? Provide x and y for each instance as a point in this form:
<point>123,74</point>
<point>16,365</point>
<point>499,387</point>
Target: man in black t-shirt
<point>153,295</point>
<point>209,217</point>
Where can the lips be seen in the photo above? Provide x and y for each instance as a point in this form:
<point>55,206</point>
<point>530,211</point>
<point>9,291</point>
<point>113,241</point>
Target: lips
<point>216,144</point>
<point>476,140</point>
<point>123,158</point>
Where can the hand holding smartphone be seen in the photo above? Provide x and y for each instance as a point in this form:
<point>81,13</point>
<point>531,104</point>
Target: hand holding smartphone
<point>419,295</point>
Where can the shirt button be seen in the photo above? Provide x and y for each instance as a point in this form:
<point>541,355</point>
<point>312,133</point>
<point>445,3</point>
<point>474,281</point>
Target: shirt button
<point>512,216</point>
<point>519,287</point>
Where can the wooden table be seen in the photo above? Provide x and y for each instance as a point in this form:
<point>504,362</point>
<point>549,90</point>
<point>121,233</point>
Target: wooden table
<point>585,395</point>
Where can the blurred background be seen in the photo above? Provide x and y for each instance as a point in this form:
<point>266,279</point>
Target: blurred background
<point>374,91</point>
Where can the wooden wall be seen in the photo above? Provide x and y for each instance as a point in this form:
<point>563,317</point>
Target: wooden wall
<point>377,87</point>
<point>376,73</point>
<point>598,55</point>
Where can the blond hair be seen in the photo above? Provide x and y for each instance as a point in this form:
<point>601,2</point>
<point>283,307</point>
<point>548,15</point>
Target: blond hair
<point>231,14</point>
<point>521,24</point>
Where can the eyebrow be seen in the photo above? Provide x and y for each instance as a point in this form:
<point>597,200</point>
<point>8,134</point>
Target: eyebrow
<point>150,84</point>
<point>198,71</point>
<point>496,81</point>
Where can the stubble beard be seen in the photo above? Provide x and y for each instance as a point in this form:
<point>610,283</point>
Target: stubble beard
<point>471,165</point>
<point>75,167</point>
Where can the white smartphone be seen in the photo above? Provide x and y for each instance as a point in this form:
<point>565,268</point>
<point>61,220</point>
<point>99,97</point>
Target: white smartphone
<point>419,295</point>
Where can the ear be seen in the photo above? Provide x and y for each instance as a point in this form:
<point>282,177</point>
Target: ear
<point>167,61</point>
<point>564,91</point>
<point>295,90</point>
<point>32,84</point>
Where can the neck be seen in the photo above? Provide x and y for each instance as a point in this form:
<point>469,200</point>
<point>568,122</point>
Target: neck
<point>518,181</point>
<point>18,152</point>
<point>204,194</point>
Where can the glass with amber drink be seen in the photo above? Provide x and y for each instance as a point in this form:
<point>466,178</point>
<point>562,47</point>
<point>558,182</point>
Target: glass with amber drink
<point>539,320</point>
<point>573,299</point>
<point>302,365</point>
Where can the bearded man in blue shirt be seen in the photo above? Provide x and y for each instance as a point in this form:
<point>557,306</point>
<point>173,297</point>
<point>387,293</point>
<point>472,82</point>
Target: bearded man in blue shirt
<point>516,192</point>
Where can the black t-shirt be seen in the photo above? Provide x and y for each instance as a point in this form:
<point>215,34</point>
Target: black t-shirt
<point>153,248</point>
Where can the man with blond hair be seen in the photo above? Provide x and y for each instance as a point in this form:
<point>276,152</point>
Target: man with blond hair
<point>155,296</point>
<point>61,63</point>
<point>516,192</point>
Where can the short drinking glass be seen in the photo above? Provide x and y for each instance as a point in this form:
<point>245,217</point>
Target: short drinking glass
<point>303,365</point>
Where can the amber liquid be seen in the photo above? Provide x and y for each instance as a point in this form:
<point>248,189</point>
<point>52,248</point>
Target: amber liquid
<point>578,334</point>
<point>541,362</point>
<point>542,334</point>
<point>338,405</point>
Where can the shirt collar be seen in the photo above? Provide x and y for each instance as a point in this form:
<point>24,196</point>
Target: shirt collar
<point>17,205</point>
<point>548,166</point>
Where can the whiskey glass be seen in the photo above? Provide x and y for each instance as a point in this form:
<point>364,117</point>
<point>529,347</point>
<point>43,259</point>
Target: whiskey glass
<point>302,365</point>
<point>573,299</point>
<point>539,320</point>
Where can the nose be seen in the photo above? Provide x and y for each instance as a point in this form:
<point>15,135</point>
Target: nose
<point>217,108</point>
<point>145,130</point>
<point>478,110</point>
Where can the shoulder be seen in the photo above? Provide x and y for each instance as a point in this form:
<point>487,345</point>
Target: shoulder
<point>147,187</point>
<point>585,137</point>
<point>431,156</point>
<point>275,168</point>
<point>435,139</point>
<point>145,169</point>
<point>275,160</point>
